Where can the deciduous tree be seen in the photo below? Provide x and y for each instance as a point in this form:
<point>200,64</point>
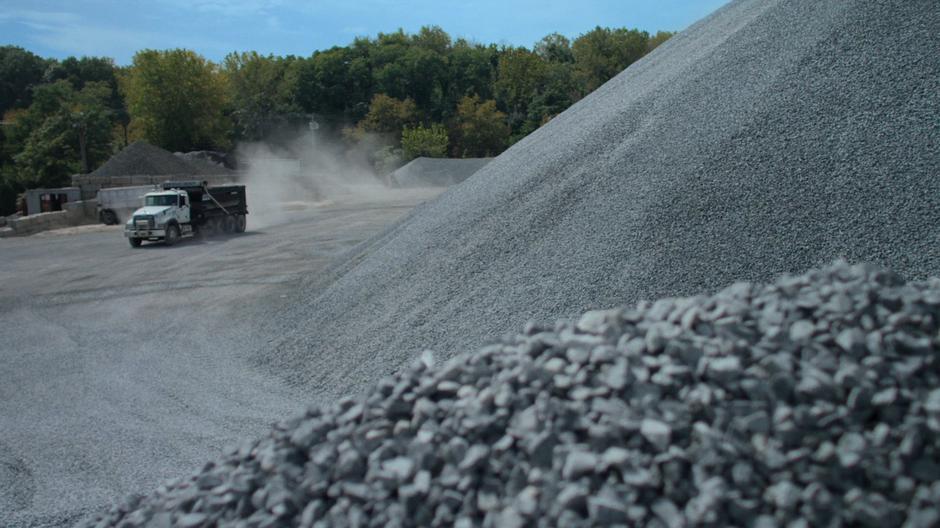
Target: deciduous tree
<point>429,142</point>
<point>480,127</point>
<point>388,115</point>
<point>20,71</point>
<point>261,94</point>
<point>603,52</point>
<point>178,99</point>
<point>66,132</point>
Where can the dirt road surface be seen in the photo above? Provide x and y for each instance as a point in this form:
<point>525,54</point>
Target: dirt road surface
<point>121,368</point>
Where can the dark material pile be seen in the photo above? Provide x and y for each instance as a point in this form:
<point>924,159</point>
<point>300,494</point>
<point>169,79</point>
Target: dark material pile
<point>814,401</point>
<point>436,172</point>
<point>772,137</point>
<point>212,157</point>
<point>143,159</point>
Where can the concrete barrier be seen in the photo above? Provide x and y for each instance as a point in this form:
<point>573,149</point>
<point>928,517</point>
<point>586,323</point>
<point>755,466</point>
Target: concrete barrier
<point>74,214</point>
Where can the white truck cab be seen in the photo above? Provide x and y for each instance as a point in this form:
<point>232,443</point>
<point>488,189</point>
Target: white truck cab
<point>164,216</point>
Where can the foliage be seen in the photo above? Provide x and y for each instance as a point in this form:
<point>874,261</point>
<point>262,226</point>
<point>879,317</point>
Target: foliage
<point>79,72</point>
<point>657,39</point>
<point>335,84</point>
<point>603,52</point>
<point>20,71</point>
<point>554,48</point>
<point>520,74</point>
<point>260,90</point>
<point>178,98</point>
<point>388,115</point>
<point>558,91</point>
<point>65,131</point>
<point>481,128</point>
<point>430,142</point>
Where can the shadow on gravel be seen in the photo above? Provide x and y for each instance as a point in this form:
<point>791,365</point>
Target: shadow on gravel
<point>200,241</point>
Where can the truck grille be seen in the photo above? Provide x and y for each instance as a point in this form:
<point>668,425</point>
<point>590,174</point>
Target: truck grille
<point>143,221</point>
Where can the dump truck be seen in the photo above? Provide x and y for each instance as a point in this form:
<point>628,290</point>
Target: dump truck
<point>116,204</point>
<point>187,209</point>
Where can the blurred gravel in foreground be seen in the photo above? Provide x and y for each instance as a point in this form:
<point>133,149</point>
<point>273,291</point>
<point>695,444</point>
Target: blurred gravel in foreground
<point>814,401</point>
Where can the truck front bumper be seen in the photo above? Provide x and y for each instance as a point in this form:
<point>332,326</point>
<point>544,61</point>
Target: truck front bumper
<point>146,234</point>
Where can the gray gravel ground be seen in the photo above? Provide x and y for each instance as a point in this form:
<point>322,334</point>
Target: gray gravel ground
<point>121,368</point>
<point>773,136</point>
<point>436,172</point>
<point>814,401</point>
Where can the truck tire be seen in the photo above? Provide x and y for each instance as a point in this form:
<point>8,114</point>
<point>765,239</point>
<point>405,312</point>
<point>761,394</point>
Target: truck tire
<point>229,225</point>
<point>172,234</point>
<point>135,242</point>
<point>240,223</point>
<point>107,217</point>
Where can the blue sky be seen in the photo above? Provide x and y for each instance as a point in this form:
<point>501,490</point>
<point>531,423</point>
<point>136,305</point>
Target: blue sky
<point>113,28</point>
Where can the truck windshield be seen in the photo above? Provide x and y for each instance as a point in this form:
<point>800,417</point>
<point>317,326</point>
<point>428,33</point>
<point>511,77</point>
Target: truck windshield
<point>161,200</point>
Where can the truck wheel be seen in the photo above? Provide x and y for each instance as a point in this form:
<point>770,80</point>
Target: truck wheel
<point>228,224</point>
<point>172,235</point>
<point>240,224</point>
<point>135,242</point>
<point>107,217</point>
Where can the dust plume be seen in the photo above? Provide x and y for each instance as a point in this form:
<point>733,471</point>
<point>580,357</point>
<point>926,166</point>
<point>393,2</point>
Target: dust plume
<point>310,171</point>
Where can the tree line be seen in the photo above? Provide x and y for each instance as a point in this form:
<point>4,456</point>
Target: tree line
<point>400,95</point>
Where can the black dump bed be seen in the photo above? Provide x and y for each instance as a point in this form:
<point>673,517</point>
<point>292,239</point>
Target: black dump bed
<point>212,201</point>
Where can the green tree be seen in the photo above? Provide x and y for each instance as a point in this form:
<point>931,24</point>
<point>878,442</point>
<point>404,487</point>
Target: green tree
<point>471,71</point>
<point>178,99</point>
<point>432,38</point>
<point>20,71</point>
<point>426,73</point>
<point>79,72</point>
<point>260,94</point>
<point>337,83</point>
<point>519,75</point>
<point>66,131</point>
<point>602,53</point>
<point>429,142</point>
<point>554,47</point>
<point>388,115</point>
<point>657,39</point>
<point>481,128</point>
<point>559,90</point>
<point>389,68</point>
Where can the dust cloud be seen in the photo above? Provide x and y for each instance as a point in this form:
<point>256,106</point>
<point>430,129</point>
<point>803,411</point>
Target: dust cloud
<point>310,171</point>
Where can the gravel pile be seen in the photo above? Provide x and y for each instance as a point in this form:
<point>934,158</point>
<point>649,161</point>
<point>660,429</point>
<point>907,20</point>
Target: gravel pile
<point>814,401</point>
<point>143,159</point>
<point>436,172</point>
<point>772,137</point>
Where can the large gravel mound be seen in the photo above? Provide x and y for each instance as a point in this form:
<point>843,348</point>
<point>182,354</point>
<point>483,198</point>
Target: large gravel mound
<point>813,401</point>
<point>436,172</point>
<point>771,137</point>
<point>143,159</point>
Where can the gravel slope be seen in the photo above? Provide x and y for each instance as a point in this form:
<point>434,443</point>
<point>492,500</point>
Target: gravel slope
<point>812,401</point>
<point>436,172</point>
<point>773,136</point>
